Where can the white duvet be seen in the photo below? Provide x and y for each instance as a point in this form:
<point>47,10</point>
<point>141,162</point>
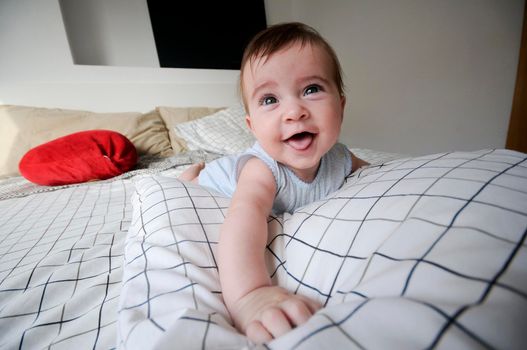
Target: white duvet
<point>425,252</point>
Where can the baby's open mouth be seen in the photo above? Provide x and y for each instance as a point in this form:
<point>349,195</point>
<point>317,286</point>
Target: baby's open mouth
<point>300,141</point>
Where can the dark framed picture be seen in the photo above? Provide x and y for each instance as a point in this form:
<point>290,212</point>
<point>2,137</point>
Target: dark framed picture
<point>204,34</point>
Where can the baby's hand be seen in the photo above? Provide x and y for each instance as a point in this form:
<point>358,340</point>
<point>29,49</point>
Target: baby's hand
<point>269,312</point>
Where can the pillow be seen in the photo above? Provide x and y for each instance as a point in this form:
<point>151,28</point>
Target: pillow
<point>224,132</point>
<point>148,133</point>
<point>26,127</point>
<point>405,255</point>
<point>79,157</point>
<point>175,115</point>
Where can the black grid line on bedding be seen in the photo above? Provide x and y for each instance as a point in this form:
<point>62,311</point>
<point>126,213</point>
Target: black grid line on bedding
<point>484,295</point>
<point>487,281</point>
<point>345,331</point>
<point>59,250</point>
<point>209,245</point>
<point>454,217</point>
<point>333,324</point>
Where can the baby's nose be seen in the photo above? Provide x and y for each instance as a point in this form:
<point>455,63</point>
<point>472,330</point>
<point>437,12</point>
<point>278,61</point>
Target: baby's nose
<point>295,111</point>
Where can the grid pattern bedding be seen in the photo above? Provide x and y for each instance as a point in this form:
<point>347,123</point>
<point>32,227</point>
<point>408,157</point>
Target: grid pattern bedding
<point>61,257</point>
<point>425,252</point>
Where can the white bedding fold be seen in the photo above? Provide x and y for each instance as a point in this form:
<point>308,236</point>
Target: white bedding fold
<point>421,252</point>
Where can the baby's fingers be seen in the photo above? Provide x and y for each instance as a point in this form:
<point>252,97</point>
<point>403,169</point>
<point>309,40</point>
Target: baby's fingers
<point>297,311</point>
<point>275,321</point>
<point>311,304</point>
<point>273,324</point>
<point>257,333</point>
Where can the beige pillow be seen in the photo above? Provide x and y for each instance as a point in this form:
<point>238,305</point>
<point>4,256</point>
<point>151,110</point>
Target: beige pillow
<point>26,127</point>
<point>150,135</point>
<point>176,115</point>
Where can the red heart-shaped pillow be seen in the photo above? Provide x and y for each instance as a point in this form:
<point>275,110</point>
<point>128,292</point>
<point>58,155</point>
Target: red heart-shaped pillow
<point>79,157</point>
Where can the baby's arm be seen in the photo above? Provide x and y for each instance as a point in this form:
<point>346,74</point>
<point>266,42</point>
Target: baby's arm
<point>357,163</point>
<point>258,309</point>
<point>192,172</point>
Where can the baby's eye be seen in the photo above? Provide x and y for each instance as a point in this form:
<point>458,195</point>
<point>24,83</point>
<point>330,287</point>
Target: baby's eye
<point>312,89</point>
<point>267,100</point>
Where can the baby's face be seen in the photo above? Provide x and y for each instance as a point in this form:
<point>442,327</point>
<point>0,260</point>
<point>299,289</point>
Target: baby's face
<point>295,109</point>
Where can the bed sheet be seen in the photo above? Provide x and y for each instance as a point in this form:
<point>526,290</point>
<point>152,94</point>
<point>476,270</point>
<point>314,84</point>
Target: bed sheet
<point>423,252</point>
<point>61,257</point>
<point>63,252</point>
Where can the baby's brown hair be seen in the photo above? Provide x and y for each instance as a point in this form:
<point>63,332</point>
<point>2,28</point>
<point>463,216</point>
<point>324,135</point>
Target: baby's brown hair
<point>280,36</point>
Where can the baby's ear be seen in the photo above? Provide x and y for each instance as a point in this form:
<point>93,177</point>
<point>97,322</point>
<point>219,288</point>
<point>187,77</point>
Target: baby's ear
<point>342,105</point>
<point>248,121</point>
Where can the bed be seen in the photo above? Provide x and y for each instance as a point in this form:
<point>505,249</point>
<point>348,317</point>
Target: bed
<point>411,252</point>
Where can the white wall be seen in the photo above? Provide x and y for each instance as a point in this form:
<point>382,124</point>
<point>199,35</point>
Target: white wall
<point>36,68</point>
<point>422,75</point>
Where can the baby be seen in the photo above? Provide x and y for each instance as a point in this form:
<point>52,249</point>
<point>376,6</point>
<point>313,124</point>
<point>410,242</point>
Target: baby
<point>293,93</point>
